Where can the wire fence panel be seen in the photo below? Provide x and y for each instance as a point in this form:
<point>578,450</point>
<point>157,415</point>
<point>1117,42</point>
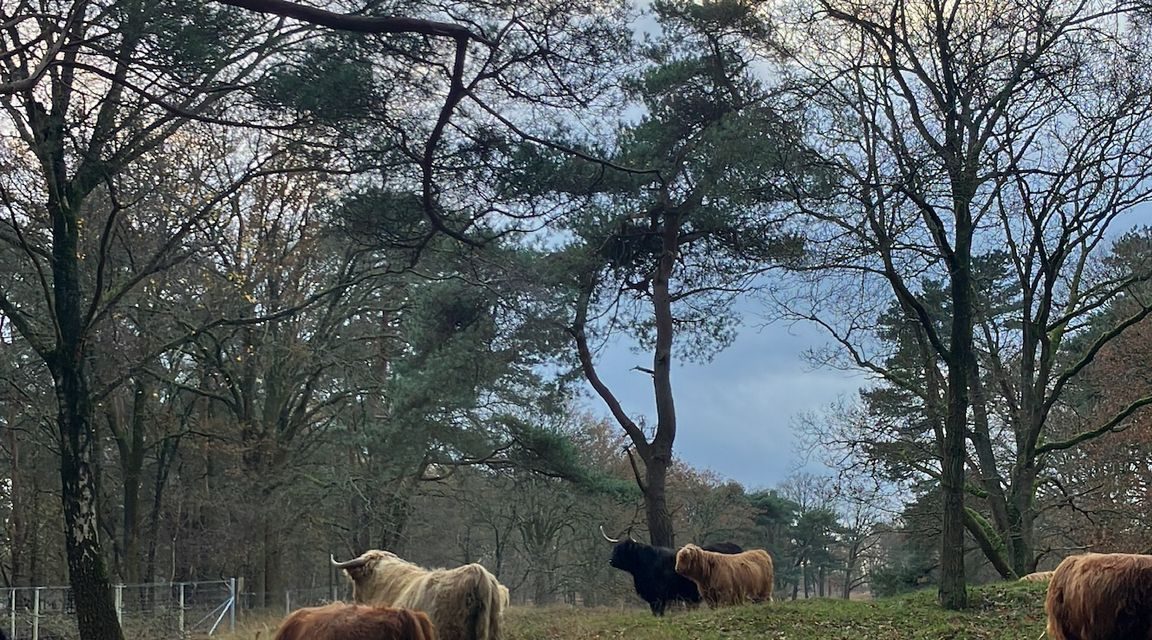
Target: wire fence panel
<point>299,598</point>
<point>163,611</point>
<point>45,613</point>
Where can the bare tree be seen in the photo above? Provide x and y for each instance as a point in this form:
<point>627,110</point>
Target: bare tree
<point>952,128</point>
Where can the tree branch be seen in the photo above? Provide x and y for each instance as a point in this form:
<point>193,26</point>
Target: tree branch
<point>1107,427</point>
<point>456,93</point>
<point>636,471</point>
<point>32,79</point>
<point>358,24</point>
<point>23,326</point>
<point>577,331</point>
<point>1097,345</point>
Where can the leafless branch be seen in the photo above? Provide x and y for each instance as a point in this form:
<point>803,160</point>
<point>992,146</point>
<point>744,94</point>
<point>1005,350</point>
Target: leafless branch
<point>357,23</point>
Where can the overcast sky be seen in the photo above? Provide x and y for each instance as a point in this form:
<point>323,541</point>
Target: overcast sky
<point>736,412</point>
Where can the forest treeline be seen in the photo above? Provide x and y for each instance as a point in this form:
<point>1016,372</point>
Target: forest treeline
<point>283,281</point>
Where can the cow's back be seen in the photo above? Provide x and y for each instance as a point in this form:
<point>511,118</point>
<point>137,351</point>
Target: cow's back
<point>289,629</point>
<point>463,603</point>
<point>342,621</point>
<point>1100,597</point>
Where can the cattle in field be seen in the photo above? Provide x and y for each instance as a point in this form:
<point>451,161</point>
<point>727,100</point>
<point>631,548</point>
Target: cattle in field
<point>1101,596</point>
<point>727,579</point>
<point>653,571</point>
<point>1038,576</point>
<point>343,621</point>
<point>464,603</point>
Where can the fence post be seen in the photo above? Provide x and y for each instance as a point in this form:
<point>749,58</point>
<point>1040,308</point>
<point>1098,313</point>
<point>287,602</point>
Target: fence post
<point>180,610</point>
<point>232,606</point>
<point>120,603</point>
<point>36,613</point>
<point>12,620</point>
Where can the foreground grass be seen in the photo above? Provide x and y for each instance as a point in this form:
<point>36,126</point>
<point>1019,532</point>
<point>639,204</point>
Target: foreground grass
<point>258,626</point>
<point>1007,611</point>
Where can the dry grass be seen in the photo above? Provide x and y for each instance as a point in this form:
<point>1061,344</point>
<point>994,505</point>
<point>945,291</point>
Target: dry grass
<point>254,626</point>
<point>1004,611</point>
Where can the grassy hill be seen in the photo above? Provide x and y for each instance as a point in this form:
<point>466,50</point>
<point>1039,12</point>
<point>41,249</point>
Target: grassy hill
<point>1006,611</point>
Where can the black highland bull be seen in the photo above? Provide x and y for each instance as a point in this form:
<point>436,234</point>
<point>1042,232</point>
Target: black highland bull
<point>654,574</point>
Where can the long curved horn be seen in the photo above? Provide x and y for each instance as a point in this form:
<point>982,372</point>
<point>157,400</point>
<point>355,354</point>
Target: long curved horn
<point>606,536</point>
<point>349,564</point>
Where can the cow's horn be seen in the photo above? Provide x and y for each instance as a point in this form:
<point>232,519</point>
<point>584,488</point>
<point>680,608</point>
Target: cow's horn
<point>606,536</point>
<point>349,564</point>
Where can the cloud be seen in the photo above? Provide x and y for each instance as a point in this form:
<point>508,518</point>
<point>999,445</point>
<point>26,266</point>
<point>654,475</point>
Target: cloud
<point>735,413</point>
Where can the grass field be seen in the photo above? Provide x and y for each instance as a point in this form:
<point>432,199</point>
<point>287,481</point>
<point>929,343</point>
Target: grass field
<point>1006,611</point>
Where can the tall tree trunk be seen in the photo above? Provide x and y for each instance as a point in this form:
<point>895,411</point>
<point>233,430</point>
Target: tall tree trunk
<point>129,436</point>
<point>35,567</point>
<point>163,464</point>
<point>95,610</point>
<point>542,591</point>
<point>273,583</point>
<point>1022,518</point>
<point>953,592</point>
<point>656,500</point>
<point>399,505</point>
<point>997,544</point>
<point>659,454</point>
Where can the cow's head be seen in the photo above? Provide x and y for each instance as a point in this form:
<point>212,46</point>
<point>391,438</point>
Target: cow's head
<point>363,565</point>
<point>692,561</point>
<point>628,554</point>
<point>369,573</point>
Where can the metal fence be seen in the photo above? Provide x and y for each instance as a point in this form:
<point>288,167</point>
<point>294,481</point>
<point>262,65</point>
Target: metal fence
<point>163,611</point>
<point>297,598</point>
<point>263,604</point>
